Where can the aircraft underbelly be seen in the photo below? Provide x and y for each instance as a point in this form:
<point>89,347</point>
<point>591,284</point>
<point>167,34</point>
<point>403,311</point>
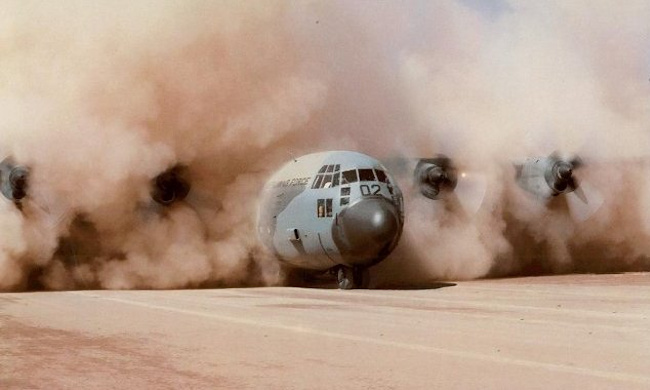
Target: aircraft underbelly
<point>308,252</point>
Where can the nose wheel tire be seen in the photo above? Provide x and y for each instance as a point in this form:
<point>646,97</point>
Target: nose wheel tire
<point>349,278</point>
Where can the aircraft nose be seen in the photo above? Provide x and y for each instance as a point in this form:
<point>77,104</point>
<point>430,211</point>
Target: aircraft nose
<point>367,231</point>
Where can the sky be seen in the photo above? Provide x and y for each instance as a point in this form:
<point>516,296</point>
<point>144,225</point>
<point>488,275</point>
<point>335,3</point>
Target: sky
<point>491,9</point>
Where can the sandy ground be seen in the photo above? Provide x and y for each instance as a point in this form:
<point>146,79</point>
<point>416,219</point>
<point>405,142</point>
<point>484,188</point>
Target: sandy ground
<point>576,331</point>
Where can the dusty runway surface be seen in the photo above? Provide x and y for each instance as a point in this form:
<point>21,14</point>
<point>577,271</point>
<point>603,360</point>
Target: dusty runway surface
<point>577,331</point>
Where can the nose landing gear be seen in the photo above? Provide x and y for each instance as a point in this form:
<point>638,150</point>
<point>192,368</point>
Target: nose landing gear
<point>352,277</point>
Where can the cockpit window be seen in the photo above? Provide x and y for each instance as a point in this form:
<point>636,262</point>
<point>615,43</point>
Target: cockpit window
<point>317,181</point>
<point>381,176</point>
<point>366,175</point>
<point>348,177</point>
<point>328,176</point>
<point>335,179</point>
<point>327,181</point>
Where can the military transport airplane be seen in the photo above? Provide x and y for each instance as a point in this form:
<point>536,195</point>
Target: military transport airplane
<point>339,211</point>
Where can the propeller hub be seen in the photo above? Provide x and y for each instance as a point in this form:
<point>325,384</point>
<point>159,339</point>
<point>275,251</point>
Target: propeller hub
<point>436,175</point>
<point>564,171</point>
<point>170,186</point>
<point>18,181</point>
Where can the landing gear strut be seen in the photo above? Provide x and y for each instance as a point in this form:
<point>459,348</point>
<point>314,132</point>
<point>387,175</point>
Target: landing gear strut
<point>349,278</point>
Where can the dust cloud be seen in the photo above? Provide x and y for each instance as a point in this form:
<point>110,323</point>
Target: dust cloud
<point>97,99</point>
<point>523,80</point>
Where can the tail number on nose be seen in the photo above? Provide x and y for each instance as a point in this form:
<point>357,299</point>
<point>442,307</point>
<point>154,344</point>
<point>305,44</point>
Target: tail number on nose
<point>367,190</point>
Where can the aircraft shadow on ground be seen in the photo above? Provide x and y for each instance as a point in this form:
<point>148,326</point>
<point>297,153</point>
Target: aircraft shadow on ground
<point>414,286</point>
<point>322,284</point>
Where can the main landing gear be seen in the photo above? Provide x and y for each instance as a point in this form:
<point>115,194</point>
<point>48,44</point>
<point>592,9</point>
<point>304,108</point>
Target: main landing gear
<point>352,277</point>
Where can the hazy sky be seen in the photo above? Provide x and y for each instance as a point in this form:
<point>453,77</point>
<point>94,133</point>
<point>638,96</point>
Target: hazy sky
<point>490,8</point>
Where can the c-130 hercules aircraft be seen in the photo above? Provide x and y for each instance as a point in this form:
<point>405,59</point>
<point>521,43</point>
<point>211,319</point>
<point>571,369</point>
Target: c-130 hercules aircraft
<point>339,211</point>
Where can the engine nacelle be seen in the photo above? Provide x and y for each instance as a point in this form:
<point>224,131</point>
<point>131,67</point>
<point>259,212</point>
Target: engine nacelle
<point>14,180</point>
<point>559,176</point>
<point>170,186</point>
<point>435,176</point>
<point>548,176</point>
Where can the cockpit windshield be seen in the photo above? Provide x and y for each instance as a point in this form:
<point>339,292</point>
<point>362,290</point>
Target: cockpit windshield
<point>350,176</point>
<point>328,176</point>
<point>366,175</point>
<point>381,176</point>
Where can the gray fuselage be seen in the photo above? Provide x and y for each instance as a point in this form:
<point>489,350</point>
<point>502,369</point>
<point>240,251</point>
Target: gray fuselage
<point>331,208</point>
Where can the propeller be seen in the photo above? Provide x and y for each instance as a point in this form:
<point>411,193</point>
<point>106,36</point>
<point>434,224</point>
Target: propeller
<point>470,191</point>
<point>560,173</point>
<point>582,207</point>
<point>582,198</point>
<point>170,186</point>
<point>435,176</point>
<point>174,185</point>
<point>14,180</point>
<point>438,177</point>
<point>18,182</point>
